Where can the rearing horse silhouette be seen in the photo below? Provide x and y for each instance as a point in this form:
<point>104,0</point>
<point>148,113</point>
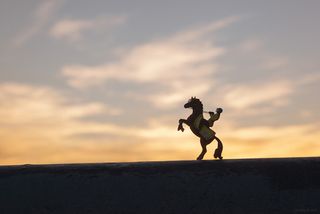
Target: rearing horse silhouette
<point>200,126</point>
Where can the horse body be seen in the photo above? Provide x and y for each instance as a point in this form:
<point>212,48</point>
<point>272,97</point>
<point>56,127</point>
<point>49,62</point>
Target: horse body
<point>191,120</point>
<point>200,127</point>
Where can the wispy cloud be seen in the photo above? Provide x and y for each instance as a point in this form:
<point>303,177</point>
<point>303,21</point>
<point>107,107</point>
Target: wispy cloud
<point>200,31</point>
<point>271,93</point>
<point>73,29</point>
<point>310,78</point>
<point>251,45</point>
<point>21,102</point>
<point>184,60</point>
<point>42,14</point>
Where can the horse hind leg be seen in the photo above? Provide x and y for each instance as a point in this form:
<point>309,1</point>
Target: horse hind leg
<point>218,151</point>
<point>204,149</point>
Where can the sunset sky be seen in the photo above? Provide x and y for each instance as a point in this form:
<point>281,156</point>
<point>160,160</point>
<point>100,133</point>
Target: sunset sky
<point>105,81</point>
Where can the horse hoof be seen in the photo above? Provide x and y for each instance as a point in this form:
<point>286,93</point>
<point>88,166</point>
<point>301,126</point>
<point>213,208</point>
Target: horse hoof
<point>217,154</point>
<point>220,157</point>
<point>199,158</point>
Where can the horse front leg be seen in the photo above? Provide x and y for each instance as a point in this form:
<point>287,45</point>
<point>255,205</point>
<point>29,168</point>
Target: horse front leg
<point>204,149</point>
<point>180,126</point>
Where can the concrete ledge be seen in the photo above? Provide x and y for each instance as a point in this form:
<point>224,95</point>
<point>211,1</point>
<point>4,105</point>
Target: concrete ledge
<point>290,185</point>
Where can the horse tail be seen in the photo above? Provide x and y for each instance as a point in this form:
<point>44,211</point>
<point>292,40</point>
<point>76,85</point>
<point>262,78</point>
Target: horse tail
<point>218,151</point>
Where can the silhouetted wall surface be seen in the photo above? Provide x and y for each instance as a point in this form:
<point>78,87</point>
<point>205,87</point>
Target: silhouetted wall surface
<point>227,186</point>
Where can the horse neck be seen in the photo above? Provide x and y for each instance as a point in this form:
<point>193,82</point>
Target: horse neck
<point>196,112</point>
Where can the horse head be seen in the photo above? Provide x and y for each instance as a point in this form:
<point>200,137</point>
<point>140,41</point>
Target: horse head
<point>194,103</point>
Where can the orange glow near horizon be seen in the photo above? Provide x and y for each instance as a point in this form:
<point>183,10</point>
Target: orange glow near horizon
<point>45,146</point>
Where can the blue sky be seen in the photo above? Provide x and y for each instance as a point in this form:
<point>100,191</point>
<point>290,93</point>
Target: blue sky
<point>87,81</point>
